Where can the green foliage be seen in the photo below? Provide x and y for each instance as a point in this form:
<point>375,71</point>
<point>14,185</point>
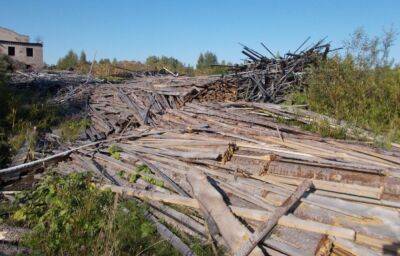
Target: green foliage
<point>114,151</point>
<point>24,114</point>
<point>361,87</point>
<point>143,169</point>
<point>29,115</point>
<point>82,58</point>
<point>69,61</point>
<point>206,64</point>
<point>206,60</point>
<point>71,129</point>
<point>70,216</point>
<point>4,110</point>
<point>4,91</point>
<point>323,128</point>
<point>172,64</point>
<point>152,180</point>
<point>144,172</point>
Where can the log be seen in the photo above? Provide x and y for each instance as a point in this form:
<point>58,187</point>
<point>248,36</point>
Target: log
<point>33,164</point>
<point>257,236</point>
<point>334,187</point>
<point>230,228</point>
<point>253,214</point>
<point>307,225</point>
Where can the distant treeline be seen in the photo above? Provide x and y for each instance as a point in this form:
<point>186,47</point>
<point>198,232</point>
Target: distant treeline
<point>207,64</point>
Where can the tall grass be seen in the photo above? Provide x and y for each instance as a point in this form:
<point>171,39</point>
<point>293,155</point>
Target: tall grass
<point>362,86</point>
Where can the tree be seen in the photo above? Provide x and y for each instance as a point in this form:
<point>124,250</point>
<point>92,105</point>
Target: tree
<point>152,61</point>
<point>200,61</point>
<point>70,61</point>
<point>206,60</point>
<point>370,52</point>
<point>82,58</point>
<point>168,62</point>
<point>104,61</point>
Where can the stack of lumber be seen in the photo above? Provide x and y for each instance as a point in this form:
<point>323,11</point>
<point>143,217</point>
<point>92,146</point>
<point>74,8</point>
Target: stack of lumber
<point>224,179</point>
<point>231,174</point>
<point>138,103</point>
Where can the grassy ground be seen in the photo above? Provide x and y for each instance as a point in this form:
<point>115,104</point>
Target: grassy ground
<point>69,215</point>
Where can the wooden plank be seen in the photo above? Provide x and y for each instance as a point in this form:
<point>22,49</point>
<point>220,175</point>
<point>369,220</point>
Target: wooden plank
<point>257,236</point>
<point>317,227</point>
<point>352,247</point>
<point>252,214</point>
<point>233,231</point>
<point>58,156</point>
<point>165,233</point>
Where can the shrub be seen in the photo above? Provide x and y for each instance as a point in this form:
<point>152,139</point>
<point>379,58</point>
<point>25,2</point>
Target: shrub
<point>361,87</point>
<point>70,216</point>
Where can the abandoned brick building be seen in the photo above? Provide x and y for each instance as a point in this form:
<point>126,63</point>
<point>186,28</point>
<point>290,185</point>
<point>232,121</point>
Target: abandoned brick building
<point>18,47</point>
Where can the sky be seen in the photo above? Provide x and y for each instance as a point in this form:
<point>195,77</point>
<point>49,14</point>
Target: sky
<point>134,30</point>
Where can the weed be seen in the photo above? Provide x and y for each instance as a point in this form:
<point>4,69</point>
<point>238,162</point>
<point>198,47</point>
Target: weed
<point>70,216</point>
<point>115,151</point>
<point>144,172</point>
<point>71,129</point>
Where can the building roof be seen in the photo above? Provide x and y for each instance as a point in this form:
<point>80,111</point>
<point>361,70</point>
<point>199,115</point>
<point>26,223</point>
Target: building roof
<point>20,43</point>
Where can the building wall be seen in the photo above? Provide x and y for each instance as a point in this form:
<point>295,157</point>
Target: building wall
<point>9,35</point>
<point>21,43</point>
<point>35,62</point>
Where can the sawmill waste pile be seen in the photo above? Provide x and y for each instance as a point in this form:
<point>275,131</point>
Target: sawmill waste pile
<point>208,164</point>
<point>270,79</point>
<point>50,78</point>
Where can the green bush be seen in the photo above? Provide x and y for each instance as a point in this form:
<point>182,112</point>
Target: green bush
<point>70,216</point>
<point>362,87</point>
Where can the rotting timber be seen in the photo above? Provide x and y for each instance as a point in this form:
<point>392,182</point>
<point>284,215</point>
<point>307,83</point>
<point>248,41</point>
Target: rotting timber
<point>270,79</point>
<point>261,186</point>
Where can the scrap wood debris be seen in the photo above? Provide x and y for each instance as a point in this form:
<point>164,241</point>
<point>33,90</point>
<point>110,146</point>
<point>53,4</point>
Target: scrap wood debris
<point>50,78</point>
<point>285,191</point>
<point>270,79</point>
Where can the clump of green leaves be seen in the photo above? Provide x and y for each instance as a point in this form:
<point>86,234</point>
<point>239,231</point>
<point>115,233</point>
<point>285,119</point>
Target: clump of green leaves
<point>70,215</point>
<point>144,172</point>
<point>71,129</point>
<point>115,151</point>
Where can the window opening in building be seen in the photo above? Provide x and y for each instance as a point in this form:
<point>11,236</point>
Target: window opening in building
<point>29,52</point>
<point>11,50</point>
